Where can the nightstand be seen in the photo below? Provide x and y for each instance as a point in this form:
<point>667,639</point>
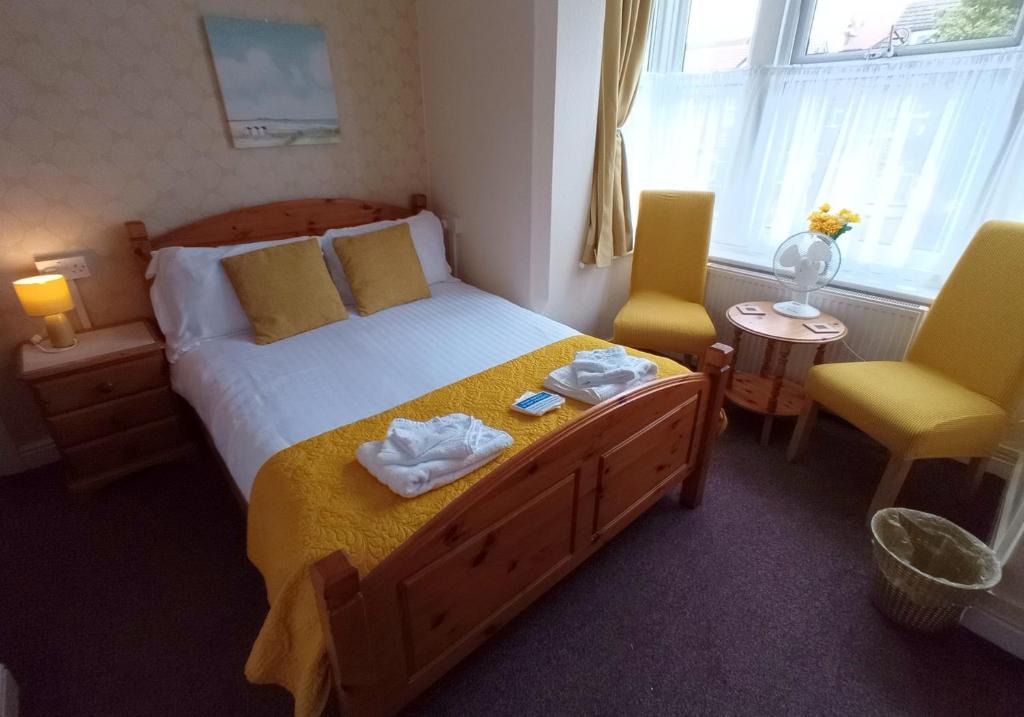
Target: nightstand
<point>108,403</point>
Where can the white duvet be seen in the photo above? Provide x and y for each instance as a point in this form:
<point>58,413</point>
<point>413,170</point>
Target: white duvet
<point>258,400</point>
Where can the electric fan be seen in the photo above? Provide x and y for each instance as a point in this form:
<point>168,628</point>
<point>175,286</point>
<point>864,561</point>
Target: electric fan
<point>805,262</point>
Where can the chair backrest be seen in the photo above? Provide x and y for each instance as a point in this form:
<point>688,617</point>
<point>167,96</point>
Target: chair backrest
<point>974,332</point>
<point>672,234</point>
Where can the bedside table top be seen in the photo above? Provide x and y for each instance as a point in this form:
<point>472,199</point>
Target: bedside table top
<point>94,347</point>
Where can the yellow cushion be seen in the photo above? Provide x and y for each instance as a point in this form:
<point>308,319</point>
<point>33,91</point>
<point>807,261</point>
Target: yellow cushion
<point>973,331</point>
<point>382,268</point>
<point>913,410</point>
<point>285,289</point>
<point>660,322</point>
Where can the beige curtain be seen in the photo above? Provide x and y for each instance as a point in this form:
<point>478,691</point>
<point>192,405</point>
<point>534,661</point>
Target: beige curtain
<point>610,228</point>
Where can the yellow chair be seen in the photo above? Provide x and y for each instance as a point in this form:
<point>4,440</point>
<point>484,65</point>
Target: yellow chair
<point>961,381</point>
<point>665,311</point>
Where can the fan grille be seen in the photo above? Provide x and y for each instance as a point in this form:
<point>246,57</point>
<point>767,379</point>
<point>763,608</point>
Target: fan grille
<point>807,261</point>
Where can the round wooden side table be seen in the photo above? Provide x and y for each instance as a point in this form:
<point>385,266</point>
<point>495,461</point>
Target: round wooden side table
<point>768,391</point>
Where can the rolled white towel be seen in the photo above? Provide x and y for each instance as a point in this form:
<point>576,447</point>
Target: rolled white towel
<point>563,380</point>
<point>412,480</point>
<point>612,365</point>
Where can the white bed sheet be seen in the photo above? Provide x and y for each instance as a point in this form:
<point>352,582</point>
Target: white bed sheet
<point>257,400</point>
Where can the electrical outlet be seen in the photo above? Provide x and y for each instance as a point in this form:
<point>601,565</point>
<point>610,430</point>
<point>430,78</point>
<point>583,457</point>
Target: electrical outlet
<point>72,267</point>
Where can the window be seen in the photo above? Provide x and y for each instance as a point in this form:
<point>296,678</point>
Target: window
<point>924,148</point>
<point>839,29</point>
<point>701,35</point>
<point>718,35</point>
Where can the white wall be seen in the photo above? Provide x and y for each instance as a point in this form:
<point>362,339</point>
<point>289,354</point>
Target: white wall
<point>510,96</point>
<point>545,38</point>
<point>477,70</point>
<point>586,298</point>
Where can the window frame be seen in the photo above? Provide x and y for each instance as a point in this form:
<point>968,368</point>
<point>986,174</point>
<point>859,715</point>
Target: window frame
<point>805,17</point>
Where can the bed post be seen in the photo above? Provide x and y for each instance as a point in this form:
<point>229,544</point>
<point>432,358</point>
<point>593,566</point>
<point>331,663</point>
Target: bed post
<point>343,612</point>
<point>716,363</point>
<point>138,237</point>
<point>417,202</point>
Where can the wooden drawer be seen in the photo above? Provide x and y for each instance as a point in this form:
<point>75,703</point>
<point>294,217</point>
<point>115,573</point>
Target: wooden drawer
<point>121,414</point>
<point>87,388</point>
<point>123,452</point>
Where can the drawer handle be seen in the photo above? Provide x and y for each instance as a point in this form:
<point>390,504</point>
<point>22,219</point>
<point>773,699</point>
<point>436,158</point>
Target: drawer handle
<point>105,387</point>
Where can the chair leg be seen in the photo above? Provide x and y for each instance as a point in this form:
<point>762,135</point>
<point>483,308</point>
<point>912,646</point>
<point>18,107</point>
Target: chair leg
<point>804,424</point>
<point>975,472</point>
<point>889,487</point>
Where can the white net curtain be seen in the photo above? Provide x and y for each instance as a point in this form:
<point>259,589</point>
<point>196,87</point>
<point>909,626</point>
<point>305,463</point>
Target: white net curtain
<point>925,148</point>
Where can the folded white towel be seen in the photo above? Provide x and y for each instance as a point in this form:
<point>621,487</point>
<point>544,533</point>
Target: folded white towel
<point>598,366</point>
<point>563,380</point>
<point>389,462</point>
<point>612,365</point>
<point>442,437</point>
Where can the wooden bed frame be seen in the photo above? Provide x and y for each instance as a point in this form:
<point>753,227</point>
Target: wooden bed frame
<point>503,543</point>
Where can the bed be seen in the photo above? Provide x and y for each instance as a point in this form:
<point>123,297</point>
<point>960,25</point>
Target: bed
<point>388,632</point>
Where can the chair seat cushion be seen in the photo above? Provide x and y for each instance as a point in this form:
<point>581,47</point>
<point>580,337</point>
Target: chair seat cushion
<point>913,411</point>
<point>659,322</point>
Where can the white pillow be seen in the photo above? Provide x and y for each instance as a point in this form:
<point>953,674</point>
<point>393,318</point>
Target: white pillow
<point>193,299</point>
<point>427,237</point>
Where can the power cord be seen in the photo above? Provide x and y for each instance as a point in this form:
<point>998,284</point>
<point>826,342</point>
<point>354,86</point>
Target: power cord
<point>856,355</point>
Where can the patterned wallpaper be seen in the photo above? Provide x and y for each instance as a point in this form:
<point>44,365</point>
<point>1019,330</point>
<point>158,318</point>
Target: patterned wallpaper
<point>109,110</point>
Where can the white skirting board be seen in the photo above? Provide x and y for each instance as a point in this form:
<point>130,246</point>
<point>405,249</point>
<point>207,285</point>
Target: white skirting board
<point>8,694</point>
<point>998,621</point>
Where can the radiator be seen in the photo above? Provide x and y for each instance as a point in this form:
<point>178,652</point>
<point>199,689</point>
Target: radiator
<point>878,328</point>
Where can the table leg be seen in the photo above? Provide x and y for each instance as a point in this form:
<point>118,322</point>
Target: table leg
<point>819,355</point>
<point>766,429</point>
<point>736,336</point>
<point>773,397</point>
<point>769,355</point>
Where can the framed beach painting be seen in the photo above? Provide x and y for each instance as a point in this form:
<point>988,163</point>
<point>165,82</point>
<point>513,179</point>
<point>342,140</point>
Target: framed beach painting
<point>275,80</point>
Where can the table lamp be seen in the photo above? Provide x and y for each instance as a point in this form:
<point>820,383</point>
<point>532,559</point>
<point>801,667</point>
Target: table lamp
<point>47,295</point>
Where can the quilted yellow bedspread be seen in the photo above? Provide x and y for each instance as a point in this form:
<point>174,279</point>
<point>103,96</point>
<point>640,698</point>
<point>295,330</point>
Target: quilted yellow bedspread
<point>314,498</point>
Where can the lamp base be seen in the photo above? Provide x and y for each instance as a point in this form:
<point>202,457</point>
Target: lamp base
<point>46,347</point>
<point>60,331</point>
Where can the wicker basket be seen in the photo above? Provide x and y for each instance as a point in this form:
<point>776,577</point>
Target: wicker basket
<point>927,569</point>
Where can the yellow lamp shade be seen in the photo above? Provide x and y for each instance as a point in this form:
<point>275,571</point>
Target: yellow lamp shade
<point>44,295</point>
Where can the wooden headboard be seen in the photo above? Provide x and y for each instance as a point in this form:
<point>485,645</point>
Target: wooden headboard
<point>266,222</point>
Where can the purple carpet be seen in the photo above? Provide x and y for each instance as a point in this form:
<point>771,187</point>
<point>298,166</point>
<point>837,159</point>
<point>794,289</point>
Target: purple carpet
<point>138,600</point>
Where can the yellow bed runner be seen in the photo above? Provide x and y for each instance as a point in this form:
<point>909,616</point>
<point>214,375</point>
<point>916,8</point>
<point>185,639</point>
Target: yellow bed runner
<point>314,498</point>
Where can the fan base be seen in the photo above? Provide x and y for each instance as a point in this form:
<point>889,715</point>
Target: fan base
<point>796,310</point>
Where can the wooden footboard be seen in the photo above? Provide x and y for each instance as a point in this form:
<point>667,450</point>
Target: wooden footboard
<point>508,539</point>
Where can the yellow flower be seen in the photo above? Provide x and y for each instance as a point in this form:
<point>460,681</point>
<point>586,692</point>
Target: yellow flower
<point>825,223</point>
<point>820,220</point>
